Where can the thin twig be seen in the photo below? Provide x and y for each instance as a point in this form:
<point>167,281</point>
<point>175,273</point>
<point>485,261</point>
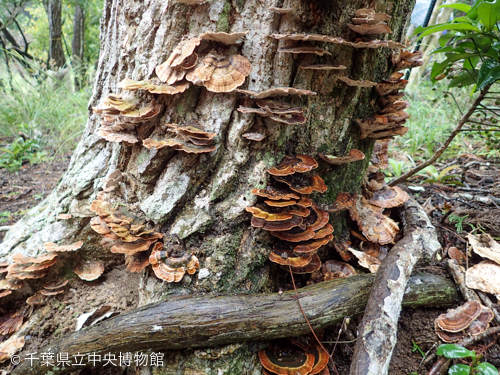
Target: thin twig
<point>450,138</point>
<point>307,320</point>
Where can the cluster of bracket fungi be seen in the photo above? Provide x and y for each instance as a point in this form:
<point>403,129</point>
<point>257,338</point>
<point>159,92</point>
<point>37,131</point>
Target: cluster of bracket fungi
<point>291,216</point>
<point>126,233</point>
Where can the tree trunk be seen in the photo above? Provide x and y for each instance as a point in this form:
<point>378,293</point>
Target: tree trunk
<point>77,45</point>
<point>202,198</point>
<point>53,8</point>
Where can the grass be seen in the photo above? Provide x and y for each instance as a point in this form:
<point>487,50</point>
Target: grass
<point>42,116</point>
<point>434,114</point>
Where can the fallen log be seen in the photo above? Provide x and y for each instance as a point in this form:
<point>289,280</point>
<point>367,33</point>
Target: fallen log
<point>378,328</point>
<point>206,321</point>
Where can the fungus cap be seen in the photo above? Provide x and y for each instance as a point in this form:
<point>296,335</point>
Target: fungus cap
<point>293,164</point>
<point>389,197</point>
<point>225,38</point>
<point>352,156</point>
<point>279,91</point>
<point>89,270</point>
<point>458,319</point>
<point>355,83</point>
<point>50,246</point>
<point>294,361</point>
<point>304,49</point>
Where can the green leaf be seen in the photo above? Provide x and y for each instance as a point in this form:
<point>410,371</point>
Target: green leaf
<point>489,13</point>
<point>488,73</point>
<point>444,26</point>
<point>471,62</point>
<point>454,351</point>
<point>458,6</point>
<point>472,13</point>
<point>443,39</point>
<point>438,68</point>
<point>459,370</point>
<point>486,369</point>
<point>446,49</point>
<point>465,78</point>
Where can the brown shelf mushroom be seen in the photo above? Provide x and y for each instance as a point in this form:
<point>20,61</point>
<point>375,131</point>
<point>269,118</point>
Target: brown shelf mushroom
<point>286,362</point>
<point>375,226</point>
<point>275,194</point>
<point>352,156</point>
<point>408,60</point>
<point>380,154</point>
<point>370,29</point>
<point>224,38</point>
<point>137,262</point>
<point>323,67</point>
<point>154,86</point>
<point>458,319</point>
<point>389,197</point>
<point>303,184</point>
<point>10,347</point>
<point>293,164</point>
<point>177,145</point>
<point>257,137</point>
<point>89,270</point>
<point>312,266</point>
<point>279,91</point>
<point>354,83</point>
<point>281,10</point>
<point>287,257</point>
<point>171,265</point>
<point>295,234</point>
<point>294,221</point>
<point>219,73</point>
<point>304,49</point>
<point>50,246</point>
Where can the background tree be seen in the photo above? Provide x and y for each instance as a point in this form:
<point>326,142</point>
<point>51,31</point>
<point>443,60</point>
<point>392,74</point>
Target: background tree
<point>201,199</point>
<point>53,8</point>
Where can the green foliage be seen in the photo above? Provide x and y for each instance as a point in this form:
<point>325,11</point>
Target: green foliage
<point>397,167</point>
<point>22,149</point>
<point>471,45</point>
<point>48,117</point>
<point>458,221</point>
<point>441,177</point>
<point>454,351</point>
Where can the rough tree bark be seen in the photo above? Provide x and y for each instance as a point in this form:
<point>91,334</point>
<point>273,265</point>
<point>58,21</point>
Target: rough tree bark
<point>77,44</point>
<point>53,8</point>
<point>202,199</point>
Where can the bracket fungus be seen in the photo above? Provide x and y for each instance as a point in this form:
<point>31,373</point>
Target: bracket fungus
<point>281,10</point>
<point>123,233</point>
<point>337,40</point>
<point>294,218</point>
<point>374,225</point>
<point>389,197</point>
<point>407,60</point>
<point>220,73</point>
<point>189,139</point>
<point>52,247</point>
<point>293,164</point>
<point>10,347</point>
<point>24,267</point>
<point>171,265</point>
<point>121,116</point>
<point>354,83</point>
<point>153,86</point>
<point>89,270</point>
<point>288,116</point>
<point>380,154</point>
<point>257,137</point>
<point>323,67</point>
<point>352,156</point>
<point>224,38</point>
<point>297,359</point>
<point>278,91</point>
<point>471,318</point>
<point>304,49</point>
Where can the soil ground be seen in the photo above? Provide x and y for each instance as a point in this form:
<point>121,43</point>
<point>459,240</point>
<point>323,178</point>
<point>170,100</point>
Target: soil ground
<point>455,211</point>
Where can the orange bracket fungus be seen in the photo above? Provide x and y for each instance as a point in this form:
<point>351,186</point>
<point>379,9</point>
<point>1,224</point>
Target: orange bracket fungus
<point>408,60</point>
<point>171,265</point>
<point>352,82</point>
<point>367,22</point>
<point>294,218</point>
<point>293,164</point>
<point>380,154</point>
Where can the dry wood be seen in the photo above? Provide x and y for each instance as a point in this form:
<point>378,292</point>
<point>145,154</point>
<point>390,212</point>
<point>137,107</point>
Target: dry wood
<point>378,328</point>
<point>206,321</point>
